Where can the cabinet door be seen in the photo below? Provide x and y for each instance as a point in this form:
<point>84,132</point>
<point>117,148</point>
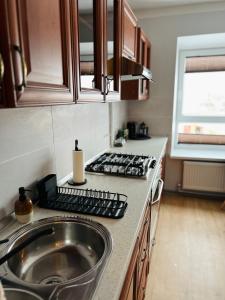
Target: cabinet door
<point>139,89</point>
<point>130,295</point>
<point>113,49</point>
<point>99,46</point>
<point>129,291</point>
<point>2,90</point>
<point>6,82</point>
<point>91,17</point>
<point>143,282</point>
<point>144,243</point>
<point>129,32</point>
<point>144,54</point>
<point>40,35</point>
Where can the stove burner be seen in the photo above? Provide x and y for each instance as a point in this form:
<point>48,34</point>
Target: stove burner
<point>118,164</point>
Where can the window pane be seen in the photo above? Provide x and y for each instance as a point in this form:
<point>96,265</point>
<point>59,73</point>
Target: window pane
<point>86,35</point>
<point>204,94</point>
<point>202,128</point>
<point>201,133</point>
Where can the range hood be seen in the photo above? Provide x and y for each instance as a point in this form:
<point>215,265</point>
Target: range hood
<point>130,70</point>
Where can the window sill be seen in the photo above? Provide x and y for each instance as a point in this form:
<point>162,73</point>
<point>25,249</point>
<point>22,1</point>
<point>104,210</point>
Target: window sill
<point>204,154</point>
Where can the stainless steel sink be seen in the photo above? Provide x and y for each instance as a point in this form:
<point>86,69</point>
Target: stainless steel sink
<point>69,259</point>
<point>19,294</point>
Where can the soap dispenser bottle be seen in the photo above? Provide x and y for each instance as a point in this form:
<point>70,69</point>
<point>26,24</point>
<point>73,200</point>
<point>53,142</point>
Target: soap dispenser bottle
<point>23,207</point>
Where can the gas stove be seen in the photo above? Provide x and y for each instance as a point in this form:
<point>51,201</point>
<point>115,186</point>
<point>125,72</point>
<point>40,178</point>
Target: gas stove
<point>126,165</point>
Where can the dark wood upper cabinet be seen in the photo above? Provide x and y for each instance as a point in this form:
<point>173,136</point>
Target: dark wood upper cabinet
<point>40,44</point>
<point>99,49</point>
<point>129,32</point>
<point>139,89</point>
<point>67,51</point>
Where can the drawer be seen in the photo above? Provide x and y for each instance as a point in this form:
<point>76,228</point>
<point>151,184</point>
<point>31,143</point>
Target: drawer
<point>144,243</point>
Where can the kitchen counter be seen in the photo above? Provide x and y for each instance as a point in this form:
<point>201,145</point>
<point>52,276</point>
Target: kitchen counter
<point>123,231</point>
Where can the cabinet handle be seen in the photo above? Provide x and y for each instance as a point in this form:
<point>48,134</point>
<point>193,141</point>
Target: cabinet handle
<point>160,187</point>
<point>104,87</point>
<point>146,221</point>
<point>20,87</point>
<point>145,254</point>
<point>2,68</point>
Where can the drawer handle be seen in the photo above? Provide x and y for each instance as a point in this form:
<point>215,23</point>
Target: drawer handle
<point>20,87</point>
<point>146,221</point>
<point>145,254</point>
<point>2,68</point>
<point>160,187</point>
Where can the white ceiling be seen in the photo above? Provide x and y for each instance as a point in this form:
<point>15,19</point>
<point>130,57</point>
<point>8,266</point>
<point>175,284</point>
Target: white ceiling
<point>149,4</point>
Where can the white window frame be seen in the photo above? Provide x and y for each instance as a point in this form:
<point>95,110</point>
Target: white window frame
<point>178,95</point>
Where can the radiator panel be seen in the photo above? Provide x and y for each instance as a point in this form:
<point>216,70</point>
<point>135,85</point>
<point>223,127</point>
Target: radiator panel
<point>204,176</point>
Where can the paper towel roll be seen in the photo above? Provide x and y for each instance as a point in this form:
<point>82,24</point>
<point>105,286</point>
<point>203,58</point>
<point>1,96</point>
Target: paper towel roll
<point>78,166</point>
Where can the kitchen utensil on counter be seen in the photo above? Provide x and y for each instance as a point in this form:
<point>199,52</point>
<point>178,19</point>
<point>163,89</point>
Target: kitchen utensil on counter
<point>25,243</point>
<point>119,142</point>
<point>138,131</point>
<point>78,167</point>
<point>83,201</point>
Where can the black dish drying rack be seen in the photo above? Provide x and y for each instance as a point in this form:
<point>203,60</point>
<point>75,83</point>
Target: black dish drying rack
<point>83,201</point>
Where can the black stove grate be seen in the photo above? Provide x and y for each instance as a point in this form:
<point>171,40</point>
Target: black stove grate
<point>118,164</point>
<point>83,201</point>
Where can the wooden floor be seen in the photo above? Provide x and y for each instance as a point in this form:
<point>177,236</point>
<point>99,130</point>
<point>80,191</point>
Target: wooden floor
<point>188,261</point>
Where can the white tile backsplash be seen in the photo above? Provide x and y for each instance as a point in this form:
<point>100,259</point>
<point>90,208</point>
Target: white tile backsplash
<point>24,130</point>
<point>89,124</point>
<point>37,141</point>
<point>23,170</point>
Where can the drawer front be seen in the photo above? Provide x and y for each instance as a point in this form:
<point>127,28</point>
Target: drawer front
<point>144,243</point>
<point>144,251</point>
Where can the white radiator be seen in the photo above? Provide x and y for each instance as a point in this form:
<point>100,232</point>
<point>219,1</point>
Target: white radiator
<point>204,176</point>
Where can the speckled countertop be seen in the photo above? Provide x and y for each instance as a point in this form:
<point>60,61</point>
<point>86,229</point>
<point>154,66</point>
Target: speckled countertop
<point>123,231</point>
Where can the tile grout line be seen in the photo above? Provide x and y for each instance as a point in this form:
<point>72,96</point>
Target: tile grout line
<point>53,141</point>
<point>22,155</point>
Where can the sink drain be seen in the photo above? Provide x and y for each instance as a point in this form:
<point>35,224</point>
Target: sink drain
<point>55,279</point>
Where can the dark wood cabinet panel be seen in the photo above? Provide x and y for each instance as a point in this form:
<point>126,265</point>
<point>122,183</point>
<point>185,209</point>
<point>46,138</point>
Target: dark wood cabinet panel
<point>129,37</point>
<point>144,58</point>
<point>129,290</point>
<point>143,280</point>
<point>39,34</point>
<point>6,81</point>
<point>136,278</point>
<point>139,89</point>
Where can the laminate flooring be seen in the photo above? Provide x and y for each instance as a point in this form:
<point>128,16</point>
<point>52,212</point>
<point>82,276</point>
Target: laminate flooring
<point>188,260</point>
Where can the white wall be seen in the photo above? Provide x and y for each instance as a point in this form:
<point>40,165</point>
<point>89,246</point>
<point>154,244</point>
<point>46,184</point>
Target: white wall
<point>163,32</point>
<point>35,142</point>
<point>118,116</point>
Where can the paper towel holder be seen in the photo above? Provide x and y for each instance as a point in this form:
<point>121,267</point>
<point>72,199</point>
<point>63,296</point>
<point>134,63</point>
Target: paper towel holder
<point>72,181</point>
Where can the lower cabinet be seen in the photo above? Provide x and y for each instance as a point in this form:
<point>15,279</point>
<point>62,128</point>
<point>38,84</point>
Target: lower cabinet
<point>136,278</point>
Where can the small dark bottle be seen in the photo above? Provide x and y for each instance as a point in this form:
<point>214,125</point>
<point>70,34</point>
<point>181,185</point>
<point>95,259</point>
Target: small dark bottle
<point>23,207</point>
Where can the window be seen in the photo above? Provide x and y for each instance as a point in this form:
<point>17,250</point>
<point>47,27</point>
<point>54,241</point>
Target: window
<point>199,101</point>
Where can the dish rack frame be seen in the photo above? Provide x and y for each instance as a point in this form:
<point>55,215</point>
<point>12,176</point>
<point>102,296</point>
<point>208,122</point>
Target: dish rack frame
<point>83,201</point>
